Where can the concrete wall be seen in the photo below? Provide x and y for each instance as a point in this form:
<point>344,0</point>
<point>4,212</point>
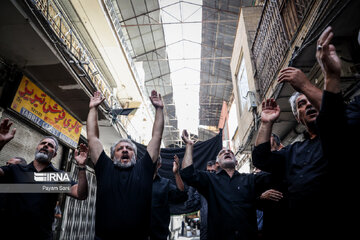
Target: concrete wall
<point>248,22</point>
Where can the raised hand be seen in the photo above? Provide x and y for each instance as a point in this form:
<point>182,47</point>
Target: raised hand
<point>270,111</point>
<point>5,134</point>
<point>176,164</point>
<point>185,137</point>
<point>96,100</point>
<point>326,55</point>
<point>295,77</point>
<point>81,156</point>
<point>156,99</point>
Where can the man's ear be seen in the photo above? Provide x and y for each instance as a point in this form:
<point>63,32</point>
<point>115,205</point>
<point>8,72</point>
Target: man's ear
<point>55,154</point>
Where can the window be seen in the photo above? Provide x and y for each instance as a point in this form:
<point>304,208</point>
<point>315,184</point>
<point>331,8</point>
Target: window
<point>243,85</point>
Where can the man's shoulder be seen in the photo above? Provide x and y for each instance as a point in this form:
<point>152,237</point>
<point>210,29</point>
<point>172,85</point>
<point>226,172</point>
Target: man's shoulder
<point>145,160</point>
<point>103,158</point>
<point>145,156</point>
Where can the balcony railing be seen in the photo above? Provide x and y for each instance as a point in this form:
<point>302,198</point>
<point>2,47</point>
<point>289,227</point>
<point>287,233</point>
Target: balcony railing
<point>61,27</point>
<point>63,30</point>
<point>277,27</point>
<point>269,46</point>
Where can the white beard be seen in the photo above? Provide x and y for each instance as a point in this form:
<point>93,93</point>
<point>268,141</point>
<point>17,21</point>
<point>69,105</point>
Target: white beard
<point>119,164</point>
<point>43,157</point>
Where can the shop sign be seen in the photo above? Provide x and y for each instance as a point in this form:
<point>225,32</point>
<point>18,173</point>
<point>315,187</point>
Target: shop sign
<point>34,104</point>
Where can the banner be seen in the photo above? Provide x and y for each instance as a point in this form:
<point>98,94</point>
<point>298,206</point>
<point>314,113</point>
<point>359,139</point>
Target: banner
<point>34,104</point>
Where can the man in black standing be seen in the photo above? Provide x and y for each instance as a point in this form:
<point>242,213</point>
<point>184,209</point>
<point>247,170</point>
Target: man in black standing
<point>36,210</point>
<point>301,165</point>
<point>124,183</point>
<point>230,195</point>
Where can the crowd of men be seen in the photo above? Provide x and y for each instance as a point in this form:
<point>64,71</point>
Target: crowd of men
<point>301,189</point>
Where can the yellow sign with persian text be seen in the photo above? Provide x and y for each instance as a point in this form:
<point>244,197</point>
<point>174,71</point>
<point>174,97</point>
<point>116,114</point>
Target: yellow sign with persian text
<point>34,104</point>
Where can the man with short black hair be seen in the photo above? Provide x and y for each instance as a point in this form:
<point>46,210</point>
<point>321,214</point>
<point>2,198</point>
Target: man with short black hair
<point>36,209</point>
<point>124,183</point>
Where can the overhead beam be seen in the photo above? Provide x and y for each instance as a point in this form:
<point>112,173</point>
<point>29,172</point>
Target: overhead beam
<point>180,22</point>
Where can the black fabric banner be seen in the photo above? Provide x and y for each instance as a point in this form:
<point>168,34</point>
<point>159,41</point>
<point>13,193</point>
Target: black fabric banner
<point>203,152</point>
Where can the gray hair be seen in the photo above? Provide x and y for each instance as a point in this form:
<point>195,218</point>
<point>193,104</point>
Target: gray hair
<point>54,139</point>
<point>292,101</point>
<point>217,160</point>
<point>112,149</point>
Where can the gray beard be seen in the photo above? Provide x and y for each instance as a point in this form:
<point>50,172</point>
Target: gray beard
<point>228,164</point>
<point>42,157</point>
<point>119,164</point>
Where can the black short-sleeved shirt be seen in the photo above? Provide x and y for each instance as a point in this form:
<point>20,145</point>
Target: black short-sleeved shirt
<point>28,215</point>
<point>163,193</point>
<point>123,198</point>
<point>231,201</point>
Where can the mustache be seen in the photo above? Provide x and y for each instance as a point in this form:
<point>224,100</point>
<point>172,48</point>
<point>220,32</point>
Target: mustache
<point>43,157</point>
<point>311,111</point>
<point>117,162</point>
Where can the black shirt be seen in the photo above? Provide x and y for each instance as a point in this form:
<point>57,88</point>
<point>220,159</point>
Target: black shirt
<point>302,166</point>
<point>339,127</point>
<point>203,218</point>
<point>163,192</point>
<point>231,201</point>
<point>29,215</point>
<point>304,170</point>
<point>123,198</point>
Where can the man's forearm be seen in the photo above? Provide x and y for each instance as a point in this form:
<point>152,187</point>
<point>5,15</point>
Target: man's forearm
<point>264,133</point>
<point>187,161</point>
<point>179,182</point>
<point>313,94</point>
<point>332,84</point>
<point>92,127</point>
<point>158,126</point>
<point>82,189</point>
<point>153,147</point>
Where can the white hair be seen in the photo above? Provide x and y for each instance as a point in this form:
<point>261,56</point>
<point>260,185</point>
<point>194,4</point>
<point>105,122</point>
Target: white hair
<point>292,101</point>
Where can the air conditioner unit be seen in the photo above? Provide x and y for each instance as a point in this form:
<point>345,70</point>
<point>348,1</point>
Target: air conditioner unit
<point>251,100</point>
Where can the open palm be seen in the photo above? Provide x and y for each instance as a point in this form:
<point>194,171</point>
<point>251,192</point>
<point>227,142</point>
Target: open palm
<point>96,100</point>
<point>5,134</point>
<point>270,112</point>
<point>81,156</point>
<point>156,99</point>
<point>185,137</point>
<point>326,56</point>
